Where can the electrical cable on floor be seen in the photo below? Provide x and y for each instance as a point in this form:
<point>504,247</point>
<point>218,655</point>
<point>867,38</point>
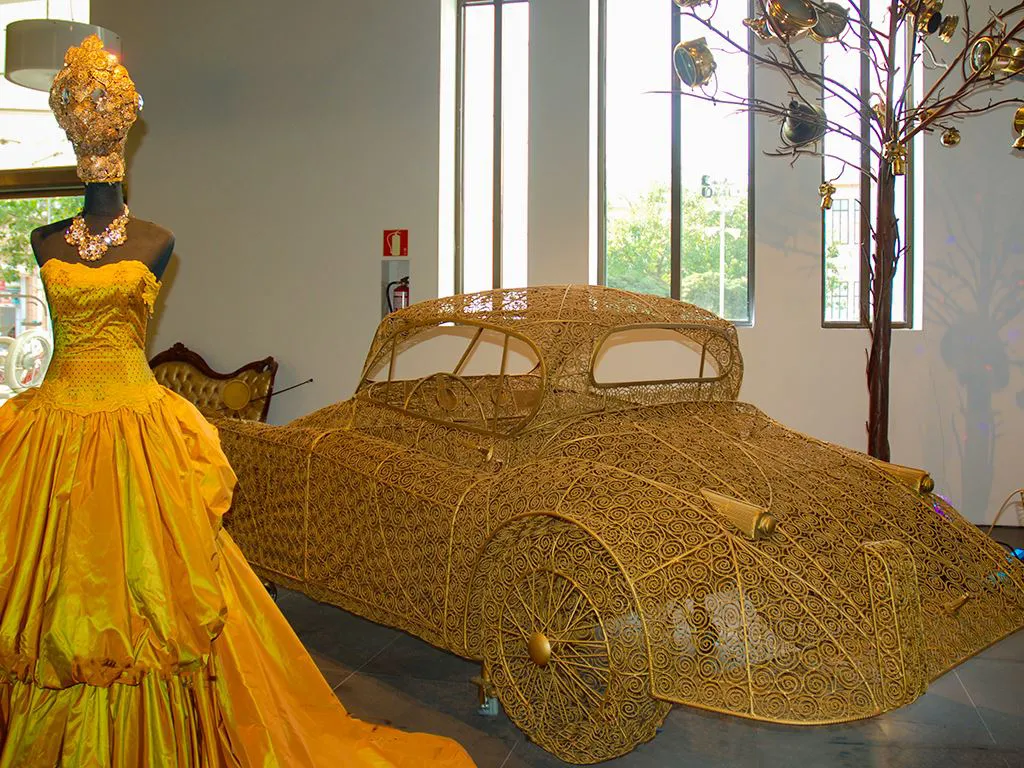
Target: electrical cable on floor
<point>1015,552</point>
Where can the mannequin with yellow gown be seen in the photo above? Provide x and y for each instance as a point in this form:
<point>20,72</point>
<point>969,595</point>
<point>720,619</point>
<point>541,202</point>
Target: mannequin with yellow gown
<point>132,631</point>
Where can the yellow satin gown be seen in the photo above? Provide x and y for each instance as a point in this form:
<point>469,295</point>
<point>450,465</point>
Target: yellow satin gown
<point>132,631</point>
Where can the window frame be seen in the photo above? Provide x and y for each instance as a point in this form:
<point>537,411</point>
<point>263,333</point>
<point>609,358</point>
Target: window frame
<point>676,187</point>
<point>497,149</point>
<point>863,235</point>
<point>60,181</point>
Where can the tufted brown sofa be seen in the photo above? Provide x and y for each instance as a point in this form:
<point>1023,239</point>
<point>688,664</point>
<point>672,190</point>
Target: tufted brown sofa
<point>242,394</point>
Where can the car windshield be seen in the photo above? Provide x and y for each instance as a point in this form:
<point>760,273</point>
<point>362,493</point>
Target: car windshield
<point>463,374</point>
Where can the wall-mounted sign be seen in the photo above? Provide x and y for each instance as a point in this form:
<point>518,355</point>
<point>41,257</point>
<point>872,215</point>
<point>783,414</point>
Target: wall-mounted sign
<point>396,242</point>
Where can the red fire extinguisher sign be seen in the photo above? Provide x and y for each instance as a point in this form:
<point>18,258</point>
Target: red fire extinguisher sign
<point>396,242</point>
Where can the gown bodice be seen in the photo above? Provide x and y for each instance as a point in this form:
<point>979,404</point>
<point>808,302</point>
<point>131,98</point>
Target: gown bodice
<point>100,315</point>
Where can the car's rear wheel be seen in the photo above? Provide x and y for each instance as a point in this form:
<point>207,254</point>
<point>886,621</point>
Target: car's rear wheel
<point>564,645</point>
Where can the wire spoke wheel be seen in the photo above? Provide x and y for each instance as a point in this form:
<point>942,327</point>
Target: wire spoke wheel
<point>565,645</point>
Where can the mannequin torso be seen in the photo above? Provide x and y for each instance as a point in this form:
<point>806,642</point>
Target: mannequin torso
<point>147,242</point>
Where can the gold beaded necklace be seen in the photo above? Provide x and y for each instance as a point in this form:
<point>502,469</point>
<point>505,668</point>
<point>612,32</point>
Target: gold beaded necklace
<point>92,247</point>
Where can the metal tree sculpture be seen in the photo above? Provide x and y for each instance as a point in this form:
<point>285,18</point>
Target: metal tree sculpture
<point>895,45</point>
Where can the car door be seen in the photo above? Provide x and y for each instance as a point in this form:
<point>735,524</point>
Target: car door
<point>431,434</point>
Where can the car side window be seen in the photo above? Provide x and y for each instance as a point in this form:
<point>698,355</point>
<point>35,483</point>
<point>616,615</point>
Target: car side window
<point>460,374</point>
<point>656,361</point>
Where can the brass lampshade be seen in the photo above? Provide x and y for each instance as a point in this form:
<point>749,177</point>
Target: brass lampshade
<point>832,22</point>
<point>790,19</point>
<point>804,124</point>
<point>694,62</point>
<point>991,56</point>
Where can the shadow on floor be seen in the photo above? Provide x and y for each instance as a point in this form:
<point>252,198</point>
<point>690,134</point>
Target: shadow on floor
<point>972,717</point>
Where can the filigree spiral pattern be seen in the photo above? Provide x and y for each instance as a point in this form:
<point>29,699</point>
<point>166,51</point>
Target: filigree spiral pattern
<point>435,519</point>
<point>587,698</point>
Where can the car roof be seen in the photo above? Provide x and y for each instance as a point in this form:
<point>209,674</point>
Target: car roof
<point>565,323</point>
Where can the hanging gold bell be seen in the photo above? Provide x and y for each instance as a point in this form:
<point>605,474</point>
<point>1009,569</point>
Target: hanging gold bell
<point>1018,126</point>
<point>825,192</point>
<point>804,124</point>
<point>1014,64</point>
<point>694,62</point>
<point>896,154</point>
<point>790,19</point>
<point>832,22</point>
<point>950,137</point>
<point>948,28</point>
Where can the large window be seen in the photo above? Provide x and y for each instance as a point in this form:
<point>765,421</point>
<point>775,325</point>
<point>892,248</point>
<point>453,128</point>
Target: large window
<point>846,227</point>
<point>38,185</point>
<point>491,157</point>
<point>676,171</point>
<point>26,337</point>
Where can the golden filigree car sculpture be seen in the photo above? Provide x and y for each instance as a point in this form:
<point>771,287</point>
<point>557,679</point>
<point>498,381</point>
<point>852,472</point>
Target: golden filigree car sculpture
<point>608,549</point>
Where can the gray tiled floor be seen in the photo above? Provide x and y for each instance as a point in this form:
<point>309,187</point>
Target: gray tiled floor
<point>973,717</point>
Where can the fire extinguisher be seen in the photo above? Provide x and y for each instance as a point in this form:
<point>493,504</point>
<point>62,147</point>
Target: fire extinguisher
<point>398,298</point>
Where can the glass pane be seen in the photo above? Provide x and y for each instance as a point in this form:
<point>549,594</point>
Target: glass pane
<point>842,258</point>
<point>515,101</point>
<point>842,226</point>
<point>25,334</point>
<point>30,137</point>
<point>478,148</point>
<point>638,146</point>
<point>715,144</point>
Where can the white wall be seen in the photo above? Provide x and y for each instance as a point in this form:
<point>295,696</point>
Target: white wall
<point>281,140</point>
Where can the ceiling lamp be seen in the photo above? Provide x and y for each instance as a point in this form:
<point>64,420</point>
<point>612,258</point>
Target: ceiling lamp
<point>36,47</point>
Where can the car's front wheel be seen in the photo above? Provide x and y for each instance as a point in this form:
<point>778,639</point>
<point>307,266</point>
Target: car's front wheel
<point>564,644</point>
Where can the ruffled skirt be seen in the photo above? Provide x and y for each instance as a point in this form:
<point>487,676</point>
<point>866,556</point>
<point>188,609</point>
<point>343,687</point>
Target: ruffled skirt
<point>132,631</point>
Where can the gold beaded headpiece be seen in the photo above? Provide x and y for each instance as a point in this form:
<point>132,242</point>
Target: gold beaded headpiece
<point>95,102</point>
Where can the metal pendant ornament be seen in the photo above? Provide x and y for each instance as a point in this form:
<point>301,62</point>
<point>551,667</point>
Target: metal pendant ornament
<point>992,56</point>
<point>825,192</point>
<point>1018,127</point>
<point>948,29</point>
<point>93,247</point>
<point>790,19</point>
<point>804,124</point>
<point>950,137</point>
<point>694,63</point>
<point>833,21</point>
<point>896,154</point>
